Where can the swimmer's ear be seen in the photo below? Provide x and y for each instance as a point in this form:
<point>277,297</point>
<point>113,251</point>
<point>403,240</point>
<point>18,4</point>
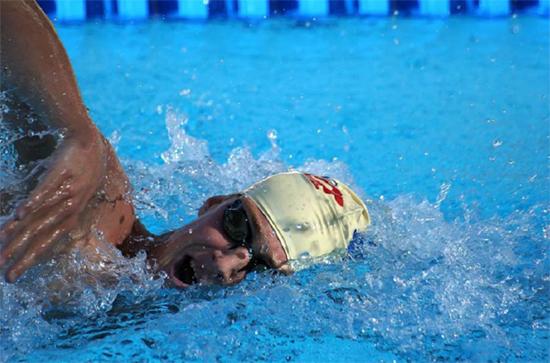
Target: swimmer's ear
<point>213,201</point>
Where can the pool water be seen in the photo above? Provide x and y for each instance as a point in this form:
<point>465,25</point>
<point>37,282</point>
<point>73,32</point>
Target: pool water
<point>443,126</point>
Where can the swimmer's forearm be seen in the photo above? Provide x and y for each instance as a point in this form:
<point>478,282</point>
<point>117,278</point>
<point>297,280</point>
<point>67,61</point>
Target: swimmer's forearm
<point>35,66</point>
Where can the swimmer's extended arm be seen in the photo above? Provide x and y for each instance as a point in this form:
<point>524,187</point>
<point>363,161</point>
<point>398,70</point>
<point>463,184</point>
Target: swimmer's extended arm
<point>36,69</point>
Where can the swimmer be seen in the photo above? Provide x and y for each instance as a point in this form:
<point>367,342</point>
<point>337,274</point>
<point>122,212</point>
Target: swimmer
<point>83,197</point>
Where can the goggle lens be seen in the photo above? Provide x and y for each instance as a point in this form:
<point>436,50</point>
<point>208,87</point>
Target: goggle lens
<point>235,223</point>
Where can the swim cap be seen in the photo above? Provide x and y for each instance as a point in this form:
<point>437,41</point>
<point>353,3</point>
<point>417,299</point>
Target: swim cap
<point>311,215</point>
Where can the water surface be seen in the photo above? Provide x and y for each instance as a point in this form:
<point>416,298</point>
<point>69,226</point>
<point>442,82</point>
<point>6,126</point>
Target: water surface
<point>441,125</point>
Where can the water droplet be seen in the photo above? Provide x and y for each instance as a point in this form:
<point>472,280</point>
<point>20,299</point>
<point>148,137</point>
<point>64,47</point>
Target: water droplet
<point>497,143</point>
<point>272,135</point>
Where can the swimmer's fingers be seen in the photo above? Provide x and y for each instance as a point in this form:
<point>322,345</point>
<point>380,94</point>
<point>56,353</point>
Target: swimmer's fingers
<point>36,252</point>
<point>18,234</point>
<point>55,186</point>
<point>36,242</point>
<point>46,212</point>
<point>6,230</point>
<point>31,230</point>
<point>47,204</point>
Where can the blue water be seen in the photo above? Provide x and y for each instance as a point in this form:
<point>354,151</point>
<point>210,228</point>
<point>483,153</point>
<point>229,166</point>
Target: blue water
<point>443,126</point>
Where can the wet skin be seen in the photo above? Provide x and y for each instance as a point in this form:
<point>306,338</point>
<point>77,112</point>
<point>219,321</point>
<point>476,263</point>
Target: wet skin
<point>84,197</point>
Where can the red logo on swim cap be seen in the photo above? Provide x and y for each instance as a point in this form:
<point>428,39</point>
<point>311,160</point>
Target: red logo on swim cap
<point>328,187</point>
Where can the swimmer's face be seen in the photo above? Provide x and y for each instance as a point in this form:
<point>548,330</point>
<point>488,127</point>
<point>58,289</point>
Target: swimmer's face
<point>230,238</point>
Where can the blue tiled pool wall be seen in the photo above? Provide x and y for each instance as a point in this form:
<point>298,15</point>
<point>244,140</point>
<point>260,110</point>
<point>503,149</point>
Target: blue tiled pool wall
<point>79,10</point>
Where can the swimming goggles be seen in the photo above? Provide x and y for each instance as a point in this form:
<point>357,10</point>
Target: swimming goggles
<point>237,227</point>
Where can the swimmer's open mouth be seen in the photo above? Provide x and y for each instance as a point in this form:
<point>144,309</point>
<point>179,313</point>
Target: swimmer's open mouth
<point>184,273</point>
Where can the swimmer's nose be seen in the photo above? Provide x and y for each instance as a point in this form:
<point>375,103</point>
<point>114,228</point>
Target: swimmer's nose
<point>230,265</point>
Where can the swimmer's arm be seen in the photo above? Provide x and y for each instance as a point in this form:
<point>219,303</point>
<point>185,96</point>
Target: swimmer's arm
<point>36,69</point>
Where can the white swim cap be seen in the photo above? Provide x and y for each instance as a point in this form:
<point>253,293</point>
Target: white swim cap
<point>311,215</point>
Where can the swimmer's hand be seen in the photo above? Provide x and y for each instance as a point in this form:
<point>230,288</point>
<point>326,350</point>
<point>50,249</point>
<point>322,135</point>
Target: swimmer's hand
<point>52,219</point>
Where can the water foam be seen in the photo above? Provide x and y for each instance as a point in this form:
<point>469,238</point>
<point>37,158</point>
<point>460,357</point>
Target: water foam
<point>416,285</point>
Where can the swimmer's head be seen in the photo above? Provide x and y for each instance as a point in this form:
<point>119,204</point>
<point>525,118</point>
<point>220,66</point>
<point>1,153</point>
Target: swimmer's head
<point>285,217</point>
<point>311,215</point>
